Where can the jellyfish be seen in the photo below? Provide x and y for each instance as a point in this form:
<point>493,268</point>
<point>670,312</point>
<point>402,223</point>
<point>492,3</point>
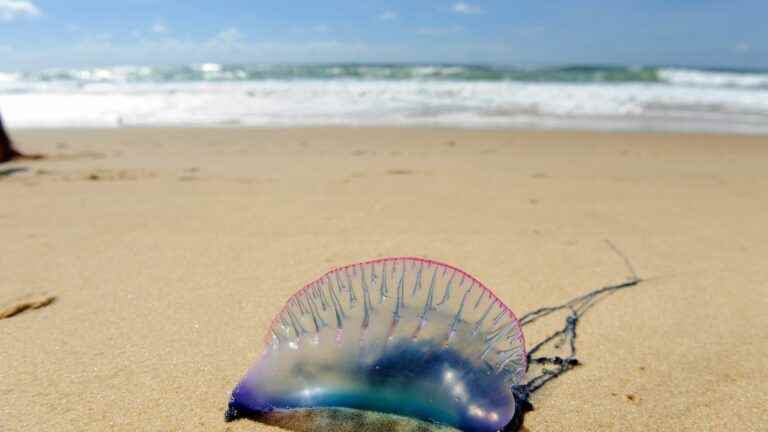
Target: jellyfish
<point>403,344</point>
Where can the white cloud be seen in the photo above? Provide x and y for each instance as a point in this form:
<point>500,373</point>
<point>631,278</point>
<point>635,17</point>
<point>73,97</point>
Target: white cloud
<point>322,28</point>
<point>389,16</point>
<point>159,27</point>
<point>466,8</point>
<point>10,9</point>
<point>431,31</point>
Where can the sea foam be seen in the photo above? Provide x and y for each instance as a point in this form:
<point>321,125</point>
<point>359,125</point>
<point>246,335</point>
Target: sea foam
<point>358,95</point>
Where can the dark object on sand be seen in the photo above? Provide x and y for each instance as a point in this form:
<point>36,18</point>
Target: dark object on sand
<point>31,303</point>
<point>7,151</point>
<point>547,368</point>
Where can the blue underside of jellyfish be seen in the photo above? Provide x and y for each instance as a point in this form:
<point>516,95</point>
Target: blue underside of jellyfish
<point>395,384</point>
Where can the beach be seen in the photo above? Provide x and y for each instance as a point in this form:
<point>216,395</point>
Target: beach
<point>169,251</point>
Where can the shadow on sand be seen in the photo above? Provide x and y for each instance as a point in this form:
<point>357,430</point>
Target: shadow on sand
<point>6,172</point>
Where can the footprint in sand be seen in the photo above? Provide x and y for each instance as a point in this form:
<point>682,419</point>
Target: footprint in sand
<point>123,174</point>
<point>76,156</point>
<point>400,172</point>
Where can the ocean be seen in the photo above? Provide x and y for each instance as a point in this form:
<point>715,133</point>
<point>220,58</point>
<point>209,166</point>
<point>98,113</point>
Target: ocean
<point>469,96</point>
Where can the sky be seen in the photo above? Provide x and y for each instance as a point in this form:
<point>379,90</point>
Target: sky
<point>37,34</point>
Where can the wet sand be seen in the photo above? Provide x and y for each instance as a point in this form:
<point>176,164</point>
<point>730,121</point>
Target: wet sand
<point>169,250</point>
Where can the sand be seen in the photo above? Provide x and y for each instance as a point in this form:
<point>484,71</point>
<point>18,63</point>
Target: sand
<point>169,251</point>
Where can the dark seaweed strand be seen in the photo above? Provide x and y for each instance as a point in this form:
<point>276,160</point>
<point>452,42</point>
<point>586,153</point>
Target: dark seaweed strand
<point>555,366</point>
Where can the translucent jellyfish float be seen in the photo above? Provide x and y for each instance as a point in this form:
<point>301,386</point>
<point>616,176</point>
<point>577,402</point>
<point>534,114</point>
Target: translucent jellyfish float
<point>397,344</point>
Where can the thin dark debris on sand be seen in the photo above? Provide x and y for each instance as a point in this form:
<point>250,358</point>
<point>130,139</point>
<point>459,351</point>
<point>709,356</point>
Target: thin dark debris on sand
<point>27,304</point>
<point>547,368</point>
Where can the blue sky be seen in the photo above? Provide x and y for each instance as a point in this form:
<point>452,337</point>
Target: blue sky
<point>83,33</point>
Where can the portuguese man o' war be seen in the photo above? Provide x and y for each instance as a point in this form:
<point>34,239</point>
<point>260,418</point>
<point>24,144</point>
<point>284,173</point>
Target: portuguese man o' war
<point>396,344</point>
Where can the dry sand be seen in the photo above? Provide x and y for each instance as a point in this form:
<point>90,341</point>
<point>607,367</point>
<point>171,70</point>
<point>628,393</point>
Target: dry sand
<point>169,251</point>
